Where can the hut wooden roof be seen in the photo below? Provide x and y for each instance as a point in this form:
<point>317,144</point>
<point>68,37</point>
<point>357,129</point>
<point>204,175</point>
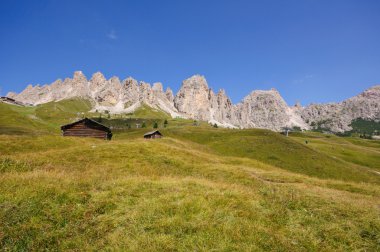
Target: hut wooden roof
<point>88,122</point>
<point>152,132</point>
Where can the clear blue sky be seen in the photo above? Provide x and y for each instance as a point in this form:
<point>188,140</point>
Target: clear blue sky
<point>310,50</point>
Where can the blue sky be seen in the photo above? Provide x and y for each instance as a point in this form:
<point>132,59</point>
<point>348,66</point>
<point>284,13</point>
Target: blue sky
<point>310,50</point>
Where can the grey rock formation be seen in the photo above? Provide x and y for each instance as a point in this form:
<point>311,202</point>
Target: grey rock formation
<point>222,108</point>
<point>193,99</point>
<point>337,117</point>
<point>130,91</point>
<point>263,109</point>
<point>12,95</point>
<point>169,95</point>
<point>260,109</point>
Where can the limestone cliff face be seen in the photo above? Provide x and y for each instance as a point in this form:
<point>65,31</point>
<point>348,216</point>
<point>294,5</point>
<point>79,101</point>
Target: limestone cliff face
<point>58,90</point>
<point>263,109</point>
<point>365,105</point>
<point>105,94</point>
<point>222,108</point>
<point>169,95</point>
<point>196,100</point>
<point>193,98</point>
<point>260,109</point>
<point>338,116</point>
<point>130,91</point>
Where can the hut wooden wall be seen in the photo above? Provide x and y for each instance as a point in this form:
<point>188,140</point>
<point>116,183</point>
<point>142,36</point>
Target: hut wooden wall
<point>81,130</point>
<point>156,135</point>
<point>153,136</point>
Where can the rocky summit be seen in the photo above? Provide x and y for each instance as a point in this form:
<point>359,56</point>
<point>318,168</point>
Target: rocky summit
<point>195,100</point>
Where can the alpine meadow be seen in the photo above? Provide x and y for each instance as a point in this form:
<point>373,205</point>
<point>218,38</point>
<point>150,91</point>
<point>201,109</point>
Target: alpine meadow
<point>197,188</point>
<point>230,125</point>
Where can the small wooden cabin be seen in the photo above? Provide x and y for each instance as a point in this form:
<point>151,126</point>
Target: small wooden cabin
<point>87,128</point>
<point>153,135</point>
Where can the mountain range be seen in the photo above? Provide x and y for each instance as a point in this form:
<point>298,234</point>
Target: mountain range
<point>195,100</point>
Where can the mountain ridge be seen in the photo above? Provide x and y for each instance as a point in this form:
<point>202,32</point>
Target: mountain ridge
<point>196,100</point>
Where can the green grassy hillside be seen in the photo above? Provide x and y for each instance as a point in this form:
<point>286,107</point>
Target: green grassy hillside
<point>19,120</point>
<point>42,118</point>
<point>67,193</point>
<point>198,188</point>
<point>358,151</point>
<point>59,113</point>
<point>148,113</point>
<point>284,152</point>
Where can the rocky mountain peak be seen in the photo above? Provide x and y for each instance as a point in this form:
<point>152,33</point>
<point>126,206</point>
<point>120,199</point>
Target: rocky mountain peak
<point>221,92</point>
<point>98,78</point>
<point>56,84</point>
<point>79,76</point>
<point>29,87</point>
<point>169,94</point>
<point>297,105</point>
<point>11,95</point>
<point>264,109</point>
<point>196,82</point>
<point>114,79</point>
<point>260,109</point>
<point>145,85</point>
<point>265,95</point>
<point>157,86</point>
<point>128,82</point>
<point>371,93</point>
<point>193,98</point>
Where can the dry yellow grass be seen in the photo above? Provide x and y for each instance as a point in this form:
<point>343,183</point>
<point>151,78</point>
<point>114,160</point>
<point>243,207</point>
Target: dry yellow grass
<point>199,188</point>
<point>171,195</point>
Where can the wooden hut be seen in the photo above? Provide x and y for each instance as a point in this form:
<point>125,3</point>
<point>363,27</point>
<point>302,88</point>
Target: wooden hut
<point>86,128</point>
<point>153,135</point>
